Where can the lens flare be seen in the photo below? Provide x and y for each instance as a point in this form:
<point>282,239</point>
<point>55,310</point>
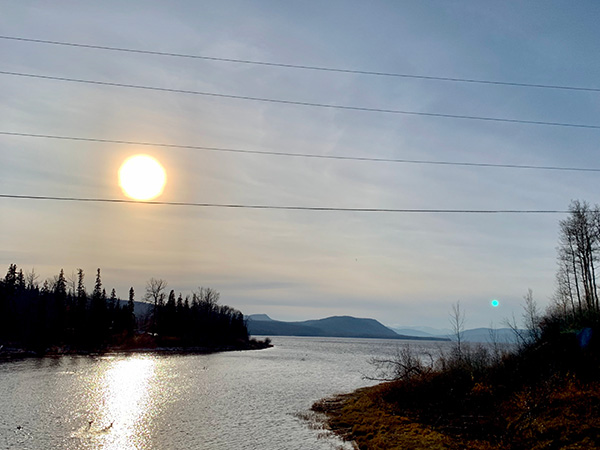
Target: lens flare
<point>495,303</point>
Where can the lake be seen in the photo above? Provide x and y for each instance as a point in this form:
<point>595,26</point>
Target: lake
<point>231,400</point>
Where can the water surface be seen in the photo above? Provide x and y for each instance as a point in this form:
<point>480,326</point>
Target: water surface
<point>232,400</point>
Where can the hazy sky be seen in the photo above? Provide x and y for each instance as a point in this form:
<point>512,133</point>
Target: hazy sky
<point>402,269</point>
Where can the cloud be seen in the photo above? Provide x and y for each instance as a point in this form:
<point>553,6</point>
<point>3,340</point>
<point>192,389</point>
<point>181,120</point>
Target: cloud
<point>398,267</point>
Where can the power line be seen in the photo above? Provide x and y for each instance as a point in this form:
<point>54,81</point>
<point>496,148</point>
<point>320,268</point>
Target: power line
<point>299,103</point>
<point>303,155</point>
<point>305,67</point>
<point>288,208</point>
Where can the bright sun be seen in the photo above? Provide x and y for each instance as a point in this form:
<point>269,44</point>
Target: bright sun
<point>142,177</point>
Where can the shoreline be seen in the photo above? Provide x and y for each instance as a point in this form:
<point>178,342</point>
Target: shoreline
<point>362,419</point>
<point>562,414</point>
<point>15,353</point>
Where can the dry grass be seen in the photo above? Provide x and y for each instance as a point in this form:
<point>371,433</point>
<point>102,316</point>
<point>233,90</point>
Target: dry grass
<point>545,395</point>
<point>561,414</point>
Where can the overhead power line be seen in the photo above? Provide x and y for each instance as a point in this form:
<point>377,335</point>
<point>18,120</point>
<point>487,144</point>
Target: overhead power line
<point>288,208</point>
<point>299,103</point>
<point>303,155</point>
<point>305,67</point>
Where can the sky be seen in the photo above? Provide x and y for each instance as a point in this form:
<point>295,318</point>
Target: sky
<point>403,269</point>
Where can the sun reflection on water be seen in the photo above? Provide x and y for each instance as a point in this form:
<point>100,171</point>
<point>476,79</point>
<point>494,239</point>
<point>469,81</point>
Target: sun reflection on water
<point>124,410</point>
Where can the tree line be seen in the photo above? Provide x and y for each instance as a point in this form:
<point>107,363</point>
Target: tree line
<point>195,320</point>
<point>61,315</point>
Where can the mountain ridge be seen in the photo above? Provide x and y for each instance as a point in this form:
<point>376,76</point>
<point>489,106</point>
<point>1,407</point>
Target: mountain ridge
<point>334,326</point>
<point>349,326</point>
<point>481,334</point>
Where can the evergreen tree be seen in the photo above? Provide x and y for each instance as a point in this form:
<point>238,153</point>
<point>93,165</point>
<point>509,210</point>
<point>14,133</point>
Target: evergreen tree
<point>81,311</point>
<point>180,305</point>
<point>45,287</point>
<point>60,304</point>
<point>10,280</point>
<point>130,311</point>
<point>98,312</point>
<point>60,288</point>
<point>20,280</point>
<point>170,315</point>
<point>80,286</point>
<point>113,309</point>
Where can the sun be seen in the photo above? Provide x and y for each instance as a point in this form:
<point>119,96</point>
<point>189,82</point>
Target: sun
<point>142,177</point>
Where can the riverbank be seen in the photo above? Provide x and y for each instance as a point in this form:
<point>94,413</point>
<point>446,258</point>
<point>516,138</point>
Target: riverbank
<point>544,394</point>
<point>364,418</point>
<point>562,416</point>
<point>515,404</point>
<point>15,353</point>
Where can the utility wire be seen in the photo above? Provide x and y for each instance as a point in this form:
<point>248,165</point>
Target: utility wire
<point>288,208</point>
<point>302,155</point>
<point>298,103</point>
<point>305,67</point>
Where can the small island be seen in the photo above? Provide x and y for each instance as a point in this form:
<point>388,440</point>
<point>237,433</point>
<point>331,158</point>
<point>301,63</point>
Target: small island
<point>60,317</point>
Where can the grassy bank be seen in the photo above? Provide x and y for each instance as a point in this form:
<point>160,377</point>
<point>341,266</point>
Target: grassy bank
<point>563,415</point>
<point>546,395</point>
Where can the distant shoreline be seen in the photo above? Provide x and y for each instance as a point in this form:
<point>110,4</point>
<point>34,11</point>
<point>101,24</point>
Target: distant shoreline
<point>392,338</point>
<point>16,353</point>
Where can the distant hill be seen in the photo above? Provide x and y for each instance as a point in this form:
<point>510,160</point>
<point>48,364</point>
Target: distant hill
<point>337,326</point>
<point>278,328</point>
<point>347,326</point>
<point>263,317</point>
<point>413,332</point>
<point>500,335</point>
<point>140,309</point>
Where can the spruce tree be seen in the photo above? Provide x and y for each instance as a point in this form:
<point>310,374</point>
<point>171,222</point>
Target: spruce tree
<point>98,311</point>
<point>131,311</point>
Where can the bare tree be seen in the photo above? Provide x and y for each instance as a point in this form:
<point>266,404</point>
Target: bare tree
<point>155,293</point>
<point>207,295</point>
<point>579,245</point>
<point>72,283</point>
<point>563,296</point>
<point>155,288</point>
<point>457,325</point>
<point>31,279</point>
<point>406,364</point>
<point>520,337</point>
<point>52,282</point>
<point>531,316</point>
<point>494,342</point>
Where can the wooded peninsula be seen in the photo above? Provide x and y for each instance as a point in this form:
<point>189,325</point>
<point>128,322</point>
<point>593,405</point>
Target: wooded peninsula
<point>61,317</point>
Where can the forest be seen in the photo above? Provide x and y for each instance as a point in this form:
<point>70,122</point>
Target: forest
<point>60,316</point>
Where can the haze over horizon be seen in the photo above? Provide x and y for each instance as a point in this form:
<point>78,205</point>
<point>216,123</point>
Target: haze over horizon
<point>398,268</point>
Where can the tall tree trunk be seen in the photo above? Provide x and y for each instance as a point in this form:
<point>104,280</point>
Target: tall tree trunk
<point>576,281</point>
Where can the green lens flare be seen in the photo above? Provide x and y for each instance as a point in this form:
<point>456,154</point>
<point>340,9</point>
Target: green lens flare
<point>495,303</point>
